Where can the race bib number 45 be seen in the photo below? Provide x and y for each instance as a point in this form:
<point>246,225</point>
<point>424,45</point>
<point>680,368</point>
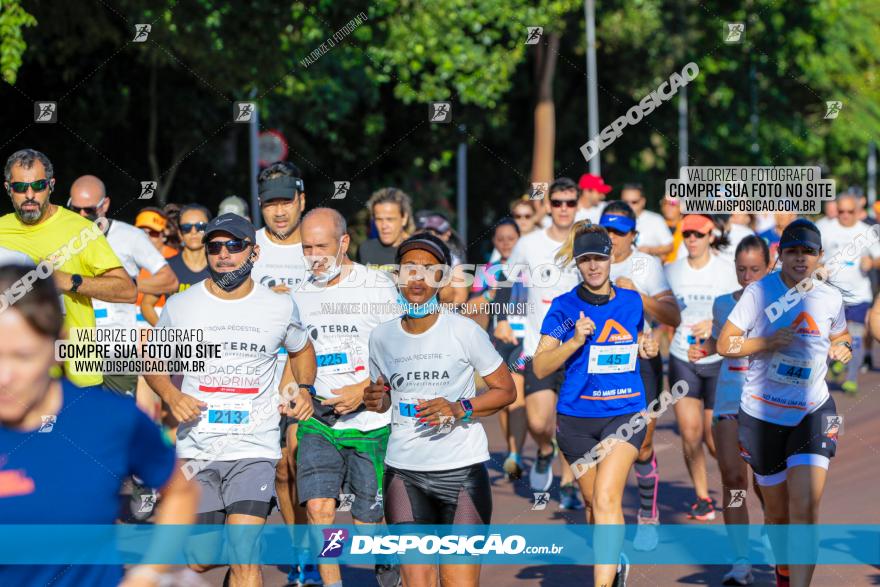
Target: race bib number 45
<point>613,358</point>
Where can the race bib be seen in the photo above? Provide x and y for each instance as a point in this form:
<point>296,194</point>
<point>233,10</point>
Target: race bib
<point>518,325</point>
<point>403,412</point>
<point>791,371</point>
<point>613,359</point>
<point>232,416</point>
<point>335,360</point>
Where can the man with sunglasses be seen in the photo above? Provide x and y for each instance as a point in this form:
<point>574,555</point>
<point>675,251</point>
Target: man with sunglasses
<point>87,267</point>
<point>534,259</point>
<point>229,413</point>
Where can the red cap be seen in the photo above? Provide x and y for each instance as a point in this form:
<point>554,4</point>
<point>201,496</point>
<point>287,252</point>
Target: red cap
<point>588,181</point>
<point>698,222</point>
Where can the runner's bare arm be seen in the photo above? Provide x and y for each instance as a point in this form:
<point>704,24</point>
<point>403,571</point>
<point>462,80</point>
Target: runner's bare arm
<point>346,399</point>
<point>114,285</point>
<point>551,355</point>
<point>376,396</point>
<point>839,351</point>
<point>501,393</point>
<point>663,308</point>
<point>732,343</point>
<point>162,281</point>
<point>304,365</point>
<point>874,319</point>
<point>148,308</point>
<point>184,407</point>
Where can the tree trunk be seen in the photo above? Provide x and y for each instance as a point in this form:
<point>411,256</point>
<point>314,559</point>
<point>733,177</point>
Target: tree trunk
<point>152,138</point>
<point>543,148</point>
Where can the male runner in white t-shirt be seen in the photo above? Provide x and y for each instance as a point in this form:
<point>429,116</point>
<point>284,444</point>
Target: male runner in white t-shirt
<point>341,450</point>
<point>229,420</point>
<point>654,237</point>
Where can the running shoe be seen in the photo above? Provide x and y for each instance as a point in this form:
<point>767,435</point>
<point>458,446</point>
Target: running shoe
<point>836,369</point>
<point>739,574</point>
<point>622,572</point>
<point>703,510</point>
<point>646,532</point>
<point>850,387</point>
<point>513,467</point>
<point>304,575</point>
<point>541,474</point>
<point>569,497</point>
<point>388,575</point>
<point>782,578</point>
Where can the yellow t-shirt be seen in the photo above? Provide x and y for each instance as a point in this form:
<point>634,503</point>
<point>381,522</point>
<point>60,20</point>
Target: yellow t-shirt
<point>48,240</point>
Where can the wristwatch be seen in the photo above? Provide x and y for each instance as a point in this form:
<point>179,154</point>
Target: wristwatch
<point>846,344</point>
<point>77,280</point>
<point>468,410</point>
<point>310,388</point>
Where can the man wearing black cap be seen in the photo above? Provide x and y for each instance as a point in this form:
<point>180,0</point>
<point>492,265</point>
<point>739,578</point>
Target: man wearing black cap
<point>229,423</point>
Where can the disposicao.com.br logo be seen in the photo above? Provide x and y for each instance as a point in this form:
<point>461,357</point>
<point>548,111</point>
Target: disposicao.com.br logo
<point>451,544</point>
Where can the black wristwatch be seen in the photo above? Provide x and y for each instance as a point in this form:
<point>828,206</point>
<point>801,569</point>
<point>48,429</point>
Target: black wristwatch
<point>846,344</point>
<point>77,280</point>
<point>309,388</point>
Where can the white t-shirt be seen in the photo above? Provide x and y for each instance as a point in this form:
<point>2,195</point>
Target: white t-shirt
<point>278,264</point>
<point>438,363</point>
<point>732,376</point>
<point>785,386</point>
<point>251,330</point>
<point>653,231</point>
<point>593,213</point>
<point>339,321</point>
<point>10,257</point>
<point>645,271</point>
<point>735,235</point>
<point>136,252</point>
<point>848,275</point>
<point>696,290</point>
<point>533,259</point>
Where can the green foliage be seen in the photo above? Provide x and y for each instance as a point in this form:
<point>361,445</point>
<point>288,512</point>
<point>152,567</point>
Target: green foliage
<point>13,18</point>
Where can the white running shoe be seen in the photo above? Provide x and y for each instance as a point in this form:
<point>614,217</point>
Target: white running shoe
<point>739,574</point>
<point>541,473</point>
<point>646,533</point>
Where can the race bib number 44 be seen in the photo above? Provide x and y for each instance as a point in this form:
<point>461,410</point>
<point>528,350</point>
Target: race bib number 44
<point>613,358</point>
<point>791,371</point>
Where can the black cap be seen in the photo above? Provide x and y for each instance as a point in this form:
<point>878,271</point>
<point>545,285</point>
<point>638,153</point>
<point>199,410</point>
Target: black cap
<point>425,241</point>
<point>281,187</point>
<point>592,243</point>
<point>801,233</point>
<point>233,224</point>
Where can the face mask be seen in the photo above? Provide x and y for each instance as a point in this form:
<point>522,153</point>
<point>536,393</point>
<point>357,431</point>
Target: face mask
<point>334,269</point>
<point>418,310</point>
<point>230,280</point>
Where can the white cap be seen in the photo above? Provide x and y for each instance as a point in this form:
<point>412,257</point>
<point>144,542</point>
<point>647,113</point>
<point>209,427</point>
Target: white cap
<point>234,205</point>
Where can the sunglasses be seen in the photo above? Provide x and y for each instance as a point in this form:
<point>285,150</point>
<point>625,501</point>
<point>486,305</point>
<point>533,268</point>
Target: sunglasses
<point>694,233</point>
<point>187,227</point>
<point>21,187</point>
<point>89,210</point>
<point>152,233</point>
<point>235,245</point>
<point>567,203</point>
<point>616,232</point>
<point>522,216</point>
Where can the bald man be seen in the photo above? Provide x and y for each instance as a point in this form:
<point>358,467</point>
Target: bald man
<point>88,198</point>
<point>342,447</point>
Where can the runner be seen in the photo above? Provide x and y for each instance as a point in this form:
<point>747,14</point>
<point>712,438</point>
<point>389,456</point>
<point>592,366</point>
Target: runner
<point>788,422</point>
<point>643,273</point>
<point>671,211</point>
<point>737,227</point>
<point>436,472</point>
<point>534,259</point>
<point>235,205</point>
<point>235,463</point>
<point>605,369</point>
<point>852,276</point>
<point>98,441</point>
<point>43,230</point>
<point>696,281</point>
<point>190,265</point>
<point>771,235</point>
<point>88,198</point>
<point>752,264</point>
<point>341,449</point>
<point>391,212</point>
<point>523,212</point>
<point>593,190</point>
<point>153,221</point>
<point>654,237</point>
<point>505,317</point>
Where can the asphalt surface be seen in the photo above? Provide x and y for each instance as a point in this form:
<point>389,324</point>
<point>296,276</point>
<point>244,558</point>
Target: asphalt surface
<point>850,498</point>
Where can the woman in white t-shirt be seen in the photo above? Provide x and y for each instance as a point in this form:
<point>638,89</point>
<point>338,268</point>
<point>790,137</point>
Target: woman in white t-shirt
<point>696,281</point>
<point>422,368</point>
<point>787,324</point>
<point>752,262</point>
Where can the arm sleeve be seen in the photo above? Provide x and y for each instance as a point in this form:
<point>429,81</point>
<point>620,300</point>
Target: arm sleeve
<point>745,313</point>
<point>481,354</point>
<point>150,452</point>
<point>146,256</point>
<point>297,337</point>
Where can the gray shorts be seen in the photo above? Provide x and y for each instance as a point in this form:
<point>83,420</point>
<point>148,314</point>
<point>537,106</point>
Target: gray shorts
<point>328,470</point>
<point>245,486</point>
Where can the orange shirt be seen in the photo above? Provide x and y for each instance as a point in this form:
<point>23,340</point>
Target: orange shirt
<point>167,252</point>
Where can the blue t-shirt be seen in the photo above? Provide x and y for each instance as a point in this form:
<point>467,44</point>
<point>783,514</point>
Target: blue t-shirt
<point>602,377</point>
<point>71,472</point>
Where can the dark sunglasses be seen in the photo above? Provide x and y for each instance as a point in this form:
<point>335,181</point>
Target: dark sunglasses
<point>21,187</point>
<point>617,232</point>
<point>522,216</point>
<point>568,203</point>
<point>690,233</point>
<point>235,245</point>
<point>187,227</point>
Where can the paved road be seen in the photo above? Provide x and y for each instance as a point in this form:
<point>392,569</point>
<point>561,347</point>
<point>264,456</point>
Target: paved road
<point>850,498</point>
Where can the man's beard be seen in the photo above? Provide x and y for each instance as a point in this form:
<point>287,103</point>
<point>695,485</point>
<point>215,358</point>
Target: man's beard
<point>30,217</point>
<point>283,235</point>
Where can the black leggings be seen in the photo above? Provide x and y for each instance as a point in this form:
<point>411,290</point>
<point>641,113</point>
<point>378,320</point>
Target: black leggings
<point>456,496</point>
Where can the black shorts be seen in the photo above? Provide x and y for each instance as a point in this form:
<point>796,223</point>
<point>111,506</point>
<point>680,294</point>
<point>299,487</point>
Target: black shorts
<point>770,449</point>
<point>576,436</point>
<point>552,381</point>
<point>651,371</point>
<point>456,496</point>
<point>700,379</point>
<point>286,422</point>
